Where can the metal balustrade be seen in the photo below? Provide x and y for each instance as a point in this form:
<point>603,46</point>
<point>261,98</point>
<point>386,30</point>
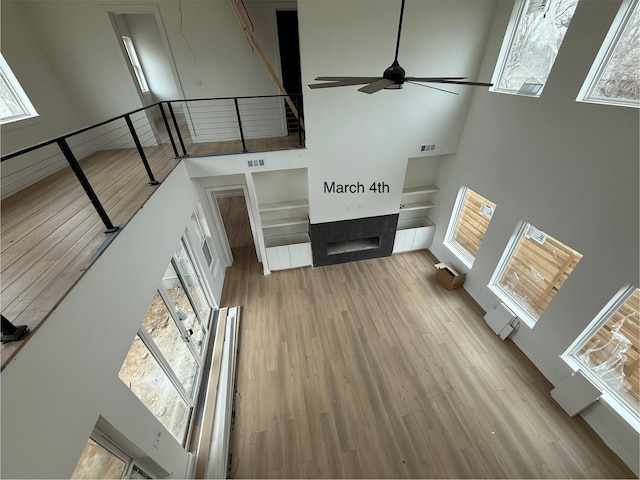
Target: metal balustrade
<point>193,127</point>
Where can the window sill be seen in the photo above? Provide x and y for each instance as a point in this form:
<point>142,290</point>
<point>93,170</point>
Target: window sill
<point>20,123</point>
<point>524,316</point>
<point>460,254</point>
<point>516,93</point>
<point>607,398</point>
<point>609,103</point>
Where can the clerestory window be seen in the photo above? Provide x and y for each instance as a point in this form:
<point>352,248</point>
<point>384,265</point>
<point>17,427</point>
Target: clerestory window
<point>614,77</point>
<point>531,44</point>
<point>14,103</point>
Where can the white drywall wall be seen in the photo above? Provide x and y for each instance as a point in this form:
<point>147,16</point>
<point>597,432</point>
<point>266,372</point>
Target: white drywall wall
<point>576,164</point>
<point>22,50</point>
<point>66,376</point>
<point>570,169</point>
<point>356,138</point>
<point>63,46</point>
<point>79,41</point>
<point>211,54</point>
<point>154,59</point>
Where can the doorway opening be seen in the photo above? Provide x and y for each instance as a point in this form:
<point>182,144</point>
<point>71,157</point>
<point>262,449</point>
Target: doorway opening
<point>230,205</point>
<point>288,42</point>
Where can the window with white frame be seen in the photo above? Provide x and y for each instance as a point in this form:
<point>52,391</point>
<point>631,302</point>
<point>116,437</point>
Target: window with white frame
<point>531,44</point>
<point>101,458</point>
<point>135,63</point>
<point>614,77</point>
<point>468,225</point>
<point>164,364</point>
<point>202,232</point>
<point>14,103</point>
<point>531,271</point>
<point>608,351</point>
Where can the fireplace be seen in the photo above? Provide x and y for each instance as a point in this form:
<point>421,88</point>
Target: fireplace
<point>352,240</point>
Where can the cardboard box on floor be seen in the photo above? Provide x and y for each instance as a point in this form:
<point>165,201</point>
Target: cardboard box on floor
<point>448,277</point>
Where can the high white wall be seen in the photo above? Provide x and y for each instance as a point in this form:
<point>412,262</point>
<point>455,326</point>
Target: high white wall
<point>211,54</point>
<point>58,114</point>
<point>66,377</point>
<point>153,56</point>
<point>569,168</point>
<point>354,137</point>
<point>68,58</point>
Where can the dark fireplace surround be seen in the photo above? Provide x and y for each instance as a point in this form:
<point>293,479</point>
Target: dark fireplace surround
<point>351,240</point>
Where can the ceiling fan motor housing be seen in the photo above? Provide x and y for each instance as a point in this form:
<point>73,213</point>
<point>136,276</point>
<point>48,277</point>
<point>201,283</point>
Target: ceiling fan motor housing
<point>395,72</point>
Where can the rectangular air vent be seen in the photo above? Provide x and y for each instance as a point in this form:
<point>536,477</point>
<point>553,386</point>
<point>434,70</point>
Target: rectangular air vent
<point>427,148</point>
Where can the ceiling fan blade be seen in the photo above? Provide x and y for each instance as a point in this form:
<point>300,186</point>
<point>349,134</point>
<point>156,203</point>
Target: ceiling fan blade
<point>377,85</point>
<point>432,79</point>
<point>347,79</point>
<point>457,82</point>
<point>435,88</point>
<point>344,82</point>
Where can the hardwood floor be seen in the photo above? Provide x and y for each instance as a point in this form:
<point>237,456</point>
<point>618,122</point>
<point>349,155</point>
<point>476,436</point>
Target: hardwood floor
<point>372,370</point>
<point>51,234</point>
<point>235,218</point>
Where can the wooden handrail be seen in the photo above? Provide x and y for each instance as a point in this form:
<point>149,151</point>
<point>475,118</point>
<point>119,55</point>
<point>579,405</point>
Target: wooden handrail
<point>247,28</point>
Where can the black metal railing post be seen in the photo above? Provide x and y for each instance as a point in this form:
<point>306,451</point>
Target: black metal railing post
<point>299,119</point>
<point>136,140</point>
<point>244,145</point>
<point>75,166</point>
<point>166,126</point>
<point>175,124</point>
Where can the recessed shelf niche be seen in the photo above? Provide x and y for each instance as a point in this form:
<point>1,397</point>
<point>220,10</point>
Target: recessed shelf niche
<point>415,229</point>
<point>283,206</point>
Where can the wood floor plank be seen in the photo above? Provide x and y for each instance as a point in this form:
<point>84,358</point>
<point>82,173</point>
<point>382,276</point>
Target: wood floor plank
<point>50,231</point>
<point>406,384</point>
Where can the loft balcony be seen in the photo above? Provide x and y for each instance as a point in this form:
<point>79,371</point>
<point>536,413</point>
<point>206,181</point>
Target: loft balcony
<point>55,229</point>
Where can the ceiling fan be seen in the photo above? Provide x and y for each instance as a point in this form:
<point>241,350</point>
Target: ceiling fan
<point>393,77</point>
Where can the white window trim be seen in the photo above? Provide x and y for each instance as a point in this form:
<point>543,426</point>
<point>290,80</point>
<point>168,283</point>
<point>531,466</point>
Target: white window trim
<point>448,242</point>
<point>599,320</point>
<point>505,49</point>
<point>18,94</point>
<point>604,54</point>
<point>110,446</point>
<point>494,285</point>
<point>514,20</point>
<point>461,254</point>
<point>135,64</point>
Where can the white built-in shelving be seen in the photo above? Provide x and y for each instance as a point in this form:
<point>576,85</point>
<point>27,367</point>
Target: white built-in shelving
<point>415,230</point>
<point>284,215</point>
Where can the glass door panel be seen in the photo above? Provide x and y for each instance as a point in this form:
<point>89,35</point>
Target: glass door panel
<point>162,329</point>
<point>193,283</point>
<point>98,462</point>
<point>142,373</point>
<point>184,310</point>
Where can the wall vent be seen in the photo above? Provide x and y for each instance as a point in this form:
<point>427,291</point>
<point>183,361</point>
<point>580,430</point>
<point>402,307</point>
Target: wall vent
<point>255,163</point>
<point>427,147</point>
